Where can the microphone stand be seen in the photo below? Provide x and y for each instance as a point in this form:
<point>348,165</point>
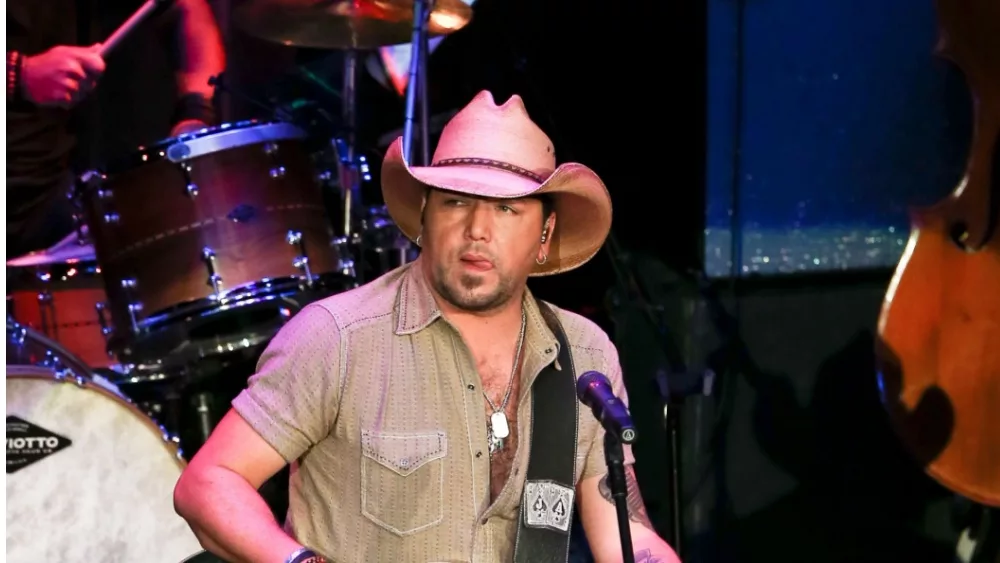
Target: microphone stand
<point>675,383</point>
<point>614,456</point>
<point>417,84</point>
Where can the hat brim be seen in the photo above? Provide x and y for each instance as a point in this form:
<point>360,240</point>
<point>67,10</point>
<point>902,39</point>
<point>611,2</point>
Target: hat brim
<point>580,200</point>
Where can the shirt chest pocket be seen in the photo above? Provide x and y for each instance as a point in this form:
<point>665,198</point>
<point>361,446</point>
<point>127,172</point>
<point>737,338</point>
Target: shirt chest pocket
<point>402,479</point>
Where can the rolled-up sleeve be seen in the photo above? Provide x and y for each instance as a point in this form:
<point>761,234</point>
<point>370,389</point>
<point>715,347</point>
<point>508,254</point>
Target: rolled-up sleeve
<point>292,399</point>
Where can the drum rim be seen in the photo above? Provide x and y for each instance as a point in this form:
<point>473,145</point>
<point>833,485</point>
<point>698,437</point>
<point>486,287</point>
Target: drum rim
<point>244,295</point>
<point>35,372</point>
<point>26,278</point>
<point>75,365</point>
<point>275,292</point>
<point>201,143</point>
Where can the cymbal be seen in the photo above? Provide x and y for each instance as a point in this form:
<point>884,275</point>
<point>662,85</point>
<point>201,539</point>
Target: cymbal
<point>66,255</point>
<point>345,24</point>
<point>66,251</point>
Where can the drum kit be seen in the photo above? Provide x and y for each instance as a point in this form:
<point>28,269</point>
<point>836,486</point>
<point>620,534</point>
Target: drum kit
<point>127,340</point>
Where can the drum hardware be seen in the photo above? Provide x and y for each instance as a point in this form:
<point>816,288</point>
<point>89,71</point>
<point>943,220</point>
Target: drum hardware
<point>204,409</point>
<point>78,221</point>
<point>214,279</point>
<point>353,26</point>
<point>392,249</point>
<point>46,310</point>
<point>105,323</point>
<point>301,261</point>
<point>416,86</point>
<point>352,169</point>
<point>345,24</point>
<point>347,241</point>
<point>188,399</point>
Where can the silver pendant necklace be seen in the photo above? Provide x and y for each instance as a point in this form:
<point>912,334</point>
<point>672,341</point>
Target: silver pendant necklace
<point>497,428</point>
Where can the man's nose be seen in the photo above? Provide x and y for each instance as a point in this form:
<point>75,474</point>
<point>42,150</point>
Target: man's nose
<point>480,223</point>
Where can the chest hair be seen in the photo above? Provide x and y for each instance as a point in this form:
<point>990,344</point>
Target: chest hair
<point>495,379</point>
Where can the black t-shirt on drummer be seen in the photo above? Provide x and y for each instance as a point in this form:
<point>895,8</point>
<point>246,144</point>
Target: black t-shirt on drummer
<point>47,147</point>
<point>39,140</point>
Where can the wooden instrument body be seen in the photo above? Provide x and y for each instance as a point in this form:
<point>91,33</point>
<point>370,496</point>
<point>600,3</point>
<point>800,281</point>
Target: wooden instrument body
<point>939,328</point>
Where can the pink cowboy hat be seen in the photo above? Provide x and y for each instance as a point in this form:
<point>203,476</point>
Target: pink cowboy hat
<point>496,151</point>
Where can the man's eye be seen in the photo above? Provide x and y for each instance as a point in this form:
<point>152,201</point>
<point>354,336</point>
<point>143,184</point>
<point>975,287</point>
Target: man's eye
<point>453,202</point>
<point>507,209</point>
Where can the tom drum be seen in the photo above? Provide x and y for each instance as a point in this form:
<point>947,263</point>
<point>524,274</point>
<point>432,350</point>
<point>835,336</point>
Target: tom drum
<point>203,226</point>
<point>66,302</point>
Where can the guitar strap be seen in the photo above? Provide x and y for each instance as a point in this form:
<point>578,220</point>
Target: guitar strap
<point>547,504</point>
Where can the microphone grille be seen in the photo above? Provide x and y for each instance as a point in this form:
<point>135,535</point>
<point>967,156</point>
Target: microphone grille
<point>587,380</point>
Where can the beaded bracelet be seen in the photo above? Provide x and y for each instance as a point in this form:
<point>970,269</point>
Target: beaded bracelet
<point>14,63</point>
<point>305,555</point>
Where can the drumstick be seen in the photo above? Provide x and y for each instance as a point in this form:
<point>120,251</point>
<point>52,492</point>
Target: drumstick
<point>133,22</point>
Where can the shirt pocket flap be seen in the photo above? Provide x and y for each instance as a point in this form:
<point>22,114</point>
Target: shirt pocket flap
<point>403,453</point>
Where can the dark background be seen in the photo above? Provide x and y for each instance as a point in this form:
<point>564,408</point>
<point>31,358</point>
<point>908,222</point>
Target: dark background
<point>825,116</point>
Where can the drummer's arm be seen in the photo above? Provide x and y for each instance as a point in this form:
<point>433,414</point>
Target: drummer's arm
<point>201,56</point>
<point>288,407</point>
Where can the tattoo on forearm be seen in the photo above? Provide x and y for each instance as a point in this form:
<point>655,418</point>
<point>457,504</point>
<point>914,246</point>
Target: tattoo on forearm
<point>636,508</point>
<point>646,556</point>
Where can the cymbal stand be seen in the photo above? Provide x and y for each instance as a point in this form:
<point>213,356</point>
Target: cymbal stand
<point>417,85</point>
<point>348,241</point>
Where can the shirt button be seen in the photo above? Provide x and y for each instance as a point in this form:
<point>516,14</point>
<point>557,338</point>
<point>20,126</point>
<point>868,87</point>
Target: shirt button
<point>479,454</point>
<point>471,387</point>
<point>548,350</point>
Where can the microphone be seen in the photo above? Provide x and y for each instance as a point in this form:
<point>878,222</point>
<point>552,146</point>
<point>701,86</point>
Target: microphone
<point>594,390</point>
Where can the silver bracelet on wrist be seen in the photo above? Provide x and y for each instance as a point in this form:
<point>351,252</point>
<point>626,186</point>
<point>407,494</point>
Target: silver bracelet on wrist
<point>298,554</point>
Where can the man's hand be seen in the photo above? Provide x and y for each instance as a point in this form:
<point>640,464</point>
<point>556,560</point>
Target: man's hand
<point>600,522</point>
<point>61,76</point>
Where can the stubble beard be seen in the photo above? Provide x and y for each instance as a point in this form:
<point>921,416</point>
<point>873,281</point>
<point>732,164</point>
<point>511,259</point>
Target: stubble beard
<point>464,297</point>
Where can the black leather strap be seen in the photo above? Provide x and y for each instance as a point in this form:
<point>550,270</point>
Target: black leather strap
<point>554,408</point>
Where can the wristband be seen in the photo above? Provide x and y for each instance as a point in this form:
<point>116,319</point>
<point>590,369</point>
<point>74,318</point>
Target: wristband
<point>196,107</point>
<point>305,555</point>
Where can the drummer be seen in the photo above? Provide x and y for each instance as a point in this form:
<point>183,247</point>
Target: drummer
<point>68,108</point>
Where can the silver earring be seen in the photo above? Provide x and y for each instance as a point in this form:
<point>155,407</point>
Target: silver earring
<point>544,236</point>
<point>417,240</point>
<point>545,258</point>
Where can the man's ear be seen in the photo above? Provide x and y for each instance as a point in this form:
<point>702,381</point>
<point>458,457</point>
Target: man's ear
<point>548,228</point>
<point>423,205</point>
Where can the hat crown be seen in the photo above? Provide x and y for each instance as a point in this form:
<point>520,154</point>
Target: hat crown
<point>504,133</point>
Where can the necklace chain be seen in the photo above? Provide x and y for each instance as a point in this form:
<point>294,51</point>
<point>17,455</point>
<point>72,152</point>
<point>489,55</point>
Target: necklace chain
<point>513,370</point>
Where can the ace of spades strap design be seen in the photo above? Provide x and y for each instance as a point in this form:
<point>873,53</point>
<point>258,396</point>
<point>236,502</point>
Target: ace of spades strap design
<point>543,532</point>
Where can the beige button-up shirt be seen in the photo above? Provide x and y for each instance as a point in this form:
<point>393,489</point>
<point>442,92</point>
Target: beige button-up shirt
<point>374,399</point>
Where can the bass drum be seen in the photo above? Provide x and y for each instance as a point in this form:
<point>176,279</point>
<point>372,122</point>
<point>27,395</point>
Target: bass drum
<point>89,476</point>
<point>26,346</point>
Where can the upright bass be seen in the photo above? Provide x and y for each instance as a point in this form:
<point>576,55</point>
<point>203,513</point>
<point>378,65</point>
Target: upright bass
<point>939,327</point>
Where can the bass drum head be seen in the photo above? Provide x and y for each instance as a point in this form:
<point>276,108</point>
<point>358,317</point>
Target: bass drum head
<point>89,477</point>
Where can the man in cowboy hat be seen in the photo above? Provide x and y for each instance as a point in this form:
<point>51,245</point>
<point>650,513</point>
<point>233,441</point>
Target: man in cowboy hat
<point>422,413</point>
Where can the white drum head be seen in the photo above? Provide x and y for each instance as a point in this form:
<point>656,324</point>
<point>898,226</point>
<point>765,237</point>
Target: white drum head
<point>89,477</point>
